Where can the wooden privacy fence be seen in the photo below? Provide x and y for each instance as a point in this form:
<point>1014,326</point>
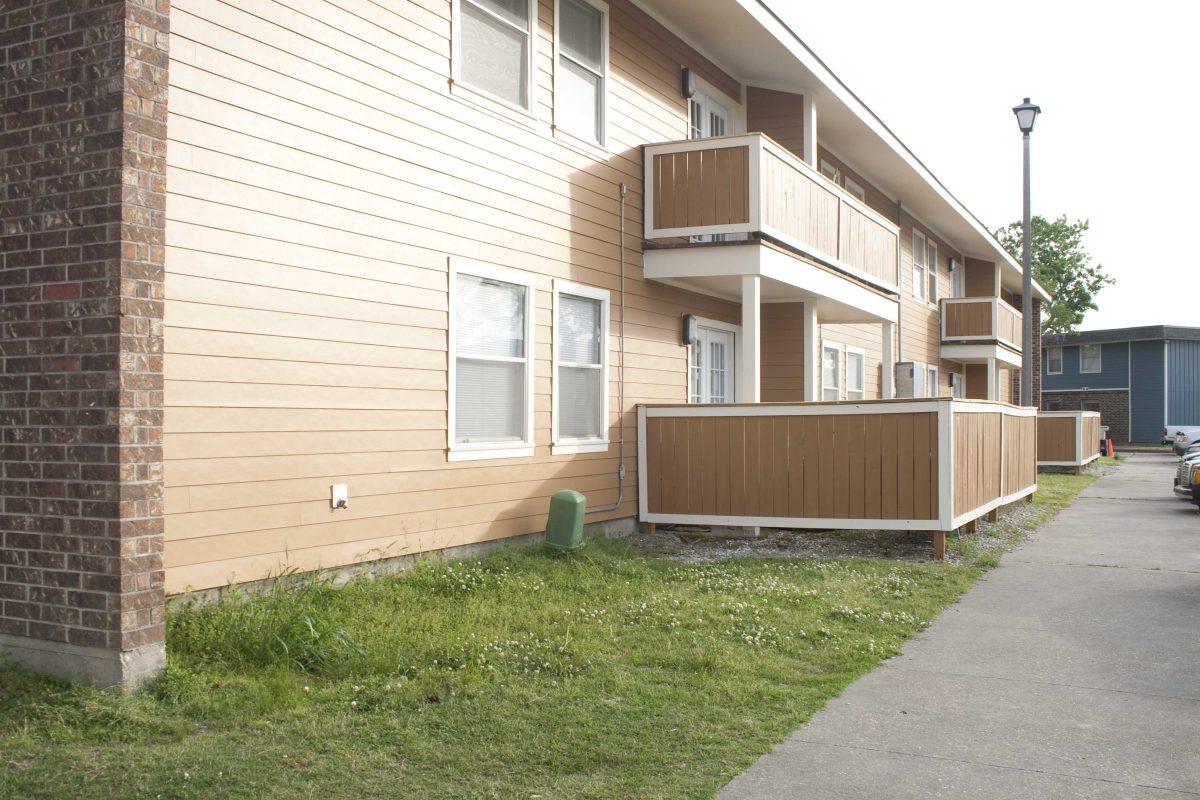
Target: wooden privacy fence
<point>921,465</point>
<point>1068,438</point>
<point>752,184</point>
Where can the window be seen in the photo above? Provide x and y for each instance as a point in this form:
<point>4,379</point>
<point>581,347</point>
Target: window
<point>932,388</point>
<point>932,268</point>
<point>492,49</point>
<point>920,284</point>
<point>831,371</point>
<point>1054,361</point>
<point>856,373</point>
<point>580,369</point>
<point>581,71</point>
<point>1089,358</point>
<point>830,171</point>
<point>958,385</point>
<point>1089,405</point>
<point>491,362</point>
<point>856,191</point>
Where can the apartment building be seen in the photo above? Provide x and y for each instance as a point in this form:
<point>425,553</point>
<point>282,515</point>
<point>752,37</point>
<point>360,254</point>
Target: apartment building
<point>1140,379</point>
<point>309,285</point>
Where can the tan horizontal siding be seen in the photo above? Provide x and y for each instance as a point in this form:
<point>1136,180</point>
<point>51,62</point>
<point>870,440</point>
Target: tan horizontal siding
<point>320,175</point>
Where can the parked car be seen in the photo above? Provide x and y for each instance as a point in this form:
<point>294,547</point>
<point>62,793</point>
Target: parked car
<point>1187,479</point>
<point>1171,431</point>
<point>1185,437</point>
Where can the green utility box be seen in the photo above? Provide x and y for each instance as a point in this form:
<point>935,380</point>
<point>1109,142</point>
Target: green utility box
<point>564,528</point>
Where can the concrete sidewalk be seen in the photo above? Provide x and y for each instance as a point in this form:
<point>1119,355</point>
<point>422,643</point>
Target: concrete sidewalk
<point>1072,671</point>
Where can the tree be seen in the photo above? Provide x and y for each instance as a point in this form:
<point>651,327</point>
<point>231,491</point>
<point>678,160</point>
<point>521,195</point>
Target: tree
<point>1062,266</point>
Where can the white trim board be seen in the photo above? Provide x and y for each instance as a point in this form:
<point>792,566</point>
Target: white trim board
<point>838,408</point>
<point>1084,463</point>
<point>976,513</point>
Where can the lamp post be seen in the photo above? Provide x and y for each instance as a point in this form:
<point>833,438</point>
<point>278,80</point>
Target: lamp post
<point>1027,114</point>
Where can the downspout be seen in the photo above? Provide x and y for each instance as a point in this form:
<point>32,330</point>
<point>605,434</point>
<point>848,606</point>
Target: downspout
<point>621,378</point>
<point>900,286</point>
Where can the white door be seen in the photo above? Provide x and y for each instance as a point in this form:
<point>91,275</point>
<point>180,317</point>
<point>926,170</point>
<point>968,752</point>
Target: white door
<point>711,378</point>
<point>707,117</point>
<point>958,281</point>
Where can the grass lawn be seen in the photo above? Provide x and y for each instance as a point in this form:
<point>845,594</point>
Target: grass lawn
<point>607,674</point>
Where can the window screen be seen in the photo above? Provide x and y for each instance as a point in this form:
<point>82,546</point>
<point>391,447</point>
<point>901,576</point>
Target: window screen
<point>855,375</point>
<point>931,268</point>
<point>494,48</point>
<point>1089,358</point>
<point>918,254</point>
<point>491,360</point>
<point>831,373</point>
<point>579,81</point>
<point>580,364</point>
<point>1054,360</point>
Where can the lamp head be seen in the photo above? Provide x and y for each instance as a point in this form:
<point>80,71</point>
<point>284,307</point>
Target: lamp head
<point>1027,114</point>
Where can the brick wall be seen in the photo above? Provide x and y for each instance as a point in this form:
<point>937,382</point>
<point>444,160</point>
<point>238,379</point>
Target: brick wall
<point>1037,359</point>
<point>1113,406</point>
<point>84,166</point>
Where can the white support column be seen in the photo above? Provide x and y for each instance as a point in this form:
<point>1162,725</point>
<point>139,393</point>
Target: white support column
<point>993,380</point>
<point>749,390</point>
<point>810,129</point>
<point>887,390</point>
<point>812,354</point>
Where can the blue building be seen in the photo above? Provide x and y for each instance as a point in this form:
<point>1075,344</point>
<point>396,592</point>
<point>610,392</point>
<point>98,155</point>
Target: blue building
<point>1139,379</point>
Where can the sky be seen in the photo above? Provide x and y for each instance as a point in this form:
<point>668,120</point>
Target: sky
<point>1118,141</point>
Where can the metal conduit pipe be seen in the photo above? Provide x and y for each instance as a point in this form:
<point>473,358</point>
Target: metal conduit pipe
<point>621,376</point>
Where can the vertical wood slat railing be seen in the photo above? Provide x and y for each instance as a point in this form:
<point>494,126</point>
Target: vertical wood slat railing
<point>979,319</point>
<point>920,465</point>
<point>732,185</point>
<point>1068,438</point>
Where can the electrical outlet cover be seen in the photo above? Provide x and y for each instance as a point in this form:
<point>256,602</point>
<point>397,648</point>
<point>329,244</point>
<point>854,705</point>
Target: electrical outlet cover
<point>339,495</point>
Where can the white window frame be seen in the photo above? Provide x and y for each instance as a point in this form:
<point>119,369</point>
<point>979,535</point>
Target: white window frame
<point>830,171</point>
<point>1099,360</point>
<point>931,272</point>
<point>472,451</point>
<point>1049,360</point>
<point>856,191</point>
<point>862,392</point>
<point>933,381</point>
<point>459,86</point>
<point>919,283</point>
<point>958,385</point>
<point>605,44</point>
<point>568,446</point>
<point>828,344</point>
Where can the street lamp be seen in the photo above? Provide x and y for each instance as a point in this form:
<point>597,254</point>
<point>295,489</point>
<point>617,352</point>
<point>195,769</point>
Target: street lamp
<point>1027,114</point>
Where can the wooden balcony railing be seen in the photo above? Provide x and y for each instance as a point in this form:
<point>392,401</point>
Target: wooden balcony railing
<point>1068,438</point>
<point>919,465</point>
<point>751,184</point>
<point>981,319</point>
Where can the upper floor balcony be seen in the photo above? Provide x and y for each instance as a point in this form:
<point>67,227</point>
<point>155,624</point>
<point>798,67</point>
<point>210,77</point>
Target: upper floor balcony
<point>981,320</point>
<point>735,186</point>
